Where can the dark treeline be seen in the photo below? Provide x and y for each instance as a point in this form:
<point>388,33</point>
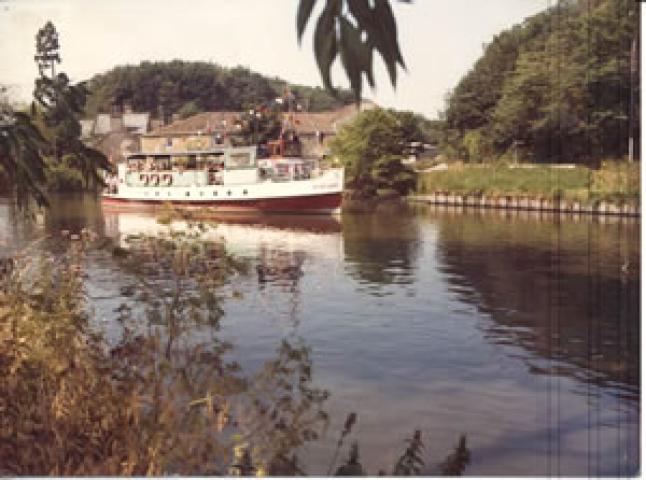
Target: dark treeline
<point>164,88</point>
<point>555,88</point>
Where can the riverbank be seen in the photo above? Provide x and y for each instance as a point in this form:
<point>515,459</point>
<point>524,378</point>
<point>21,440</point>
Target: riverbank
<point>614,181</point>
<point>512,202</point>
<point>613,189</point>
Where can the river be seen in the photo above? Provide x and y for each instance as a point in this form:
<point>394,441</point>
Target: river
<point>518,330</point>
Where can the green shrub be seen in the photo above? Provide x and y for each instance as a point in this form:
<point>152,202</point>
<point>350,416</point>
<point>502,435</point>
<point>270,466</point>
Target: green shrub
<point>61,178</point>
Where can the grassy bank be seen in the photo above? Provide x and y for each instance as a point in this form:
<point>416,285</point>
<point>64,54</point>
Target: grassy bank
<point>614,181</point>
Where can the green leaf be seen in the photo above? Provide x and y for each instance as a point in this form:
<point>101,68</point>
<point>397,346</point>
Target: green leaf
<point>356,56</point>
<point>303,14</point>
<point>361,11</point>
<point>350,46</point>
<point>325,44</point>
<point>384,36</point>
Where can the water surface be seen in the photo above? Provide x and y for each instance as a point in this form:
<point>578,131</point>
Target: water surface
<point>519,330</point>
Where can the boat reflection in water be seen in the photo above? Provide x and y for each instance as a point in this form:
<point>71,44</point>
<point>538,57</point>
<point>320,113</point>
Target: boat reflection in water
<point>243,235</point>
<point>278,246</point>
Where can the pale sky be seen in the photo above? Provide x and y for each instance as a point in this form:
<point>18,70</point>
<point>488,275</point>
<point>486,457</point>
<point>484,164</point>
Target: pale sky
<point>440,40</point>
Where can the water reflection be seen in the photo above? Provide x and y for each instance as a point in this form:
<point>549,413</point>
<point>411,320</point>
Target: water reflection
<point>381,247</point>
<point>566,293</point>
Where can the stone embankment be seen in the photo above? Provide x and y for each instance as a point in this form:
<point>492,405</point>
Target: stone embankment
<point>510,202</point>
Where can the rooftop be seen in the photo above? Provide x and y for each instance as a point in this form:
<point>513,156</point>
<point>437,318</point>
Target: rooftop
<point>303,122</point>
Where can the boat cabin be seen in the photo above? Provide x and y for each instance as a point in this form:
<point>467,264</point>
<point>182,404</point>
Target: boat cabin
<point>227,166</point>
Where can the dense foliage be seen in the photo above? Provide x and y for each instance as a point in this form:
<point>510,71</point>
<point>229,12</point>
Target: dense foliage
<point>42,150</point>
<point>555,88</point>
<point>372,147</point>
<point>22,167</point>
<point>153,401</point>
<point>164,88</point>
<point>58,105</point>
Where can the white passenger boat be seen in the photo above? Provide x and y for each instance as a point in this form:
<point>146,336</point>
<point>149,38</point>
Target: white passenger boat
<point>227,179</point>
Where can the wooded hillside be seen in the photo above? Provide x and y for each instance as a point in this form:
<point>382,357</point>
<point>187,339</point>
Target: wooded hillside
<point>164,88</point>
<point>555,88</point>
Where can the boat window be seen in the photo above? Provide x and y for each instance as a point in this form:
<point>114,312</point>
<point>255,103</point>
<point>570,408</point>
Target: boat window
<point>180,161</point>
<point>213,158</point>
<point>239,160</point>
<point>162,162</point>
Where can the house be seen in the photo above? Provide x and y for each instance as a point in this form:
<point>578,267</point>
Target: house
<point>208,129</point>
<point>115,134</point>
<point>316,129</point>
<point>197,132</point>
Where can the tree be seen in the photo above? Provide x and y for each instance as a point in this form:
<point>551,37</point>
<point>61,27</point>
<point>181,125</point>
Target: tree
<point>21,163</point>
<point>47,47</point>
<point>353,30</point>
<point>258,125</point>
<point>167,98</point>
<point>175,86</point>
<point>188,109</point>
<point>58,104</point>
<point>559,85</point>
<point>371,147</point>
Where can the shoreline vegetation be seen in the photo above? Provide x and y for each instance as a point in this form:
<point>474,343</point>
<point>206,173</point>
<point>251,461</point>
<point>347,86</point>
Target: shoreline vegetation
<point>614,188</point>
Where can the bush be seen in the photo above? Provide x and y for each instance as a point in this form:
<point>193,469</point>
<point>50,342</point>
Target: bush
<point>390,173</point>
<point>61,178</point>
<point>617,180</point>
<point>371,148</point>
<point>155,401</point>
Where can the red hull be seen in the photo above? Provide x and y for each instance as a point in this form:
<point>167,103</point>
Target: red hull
<point>327,203</point>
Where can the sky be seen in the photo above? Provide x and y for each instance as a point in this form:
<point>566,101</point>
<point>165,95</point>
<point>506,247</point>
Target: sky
<point>440,40</point>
